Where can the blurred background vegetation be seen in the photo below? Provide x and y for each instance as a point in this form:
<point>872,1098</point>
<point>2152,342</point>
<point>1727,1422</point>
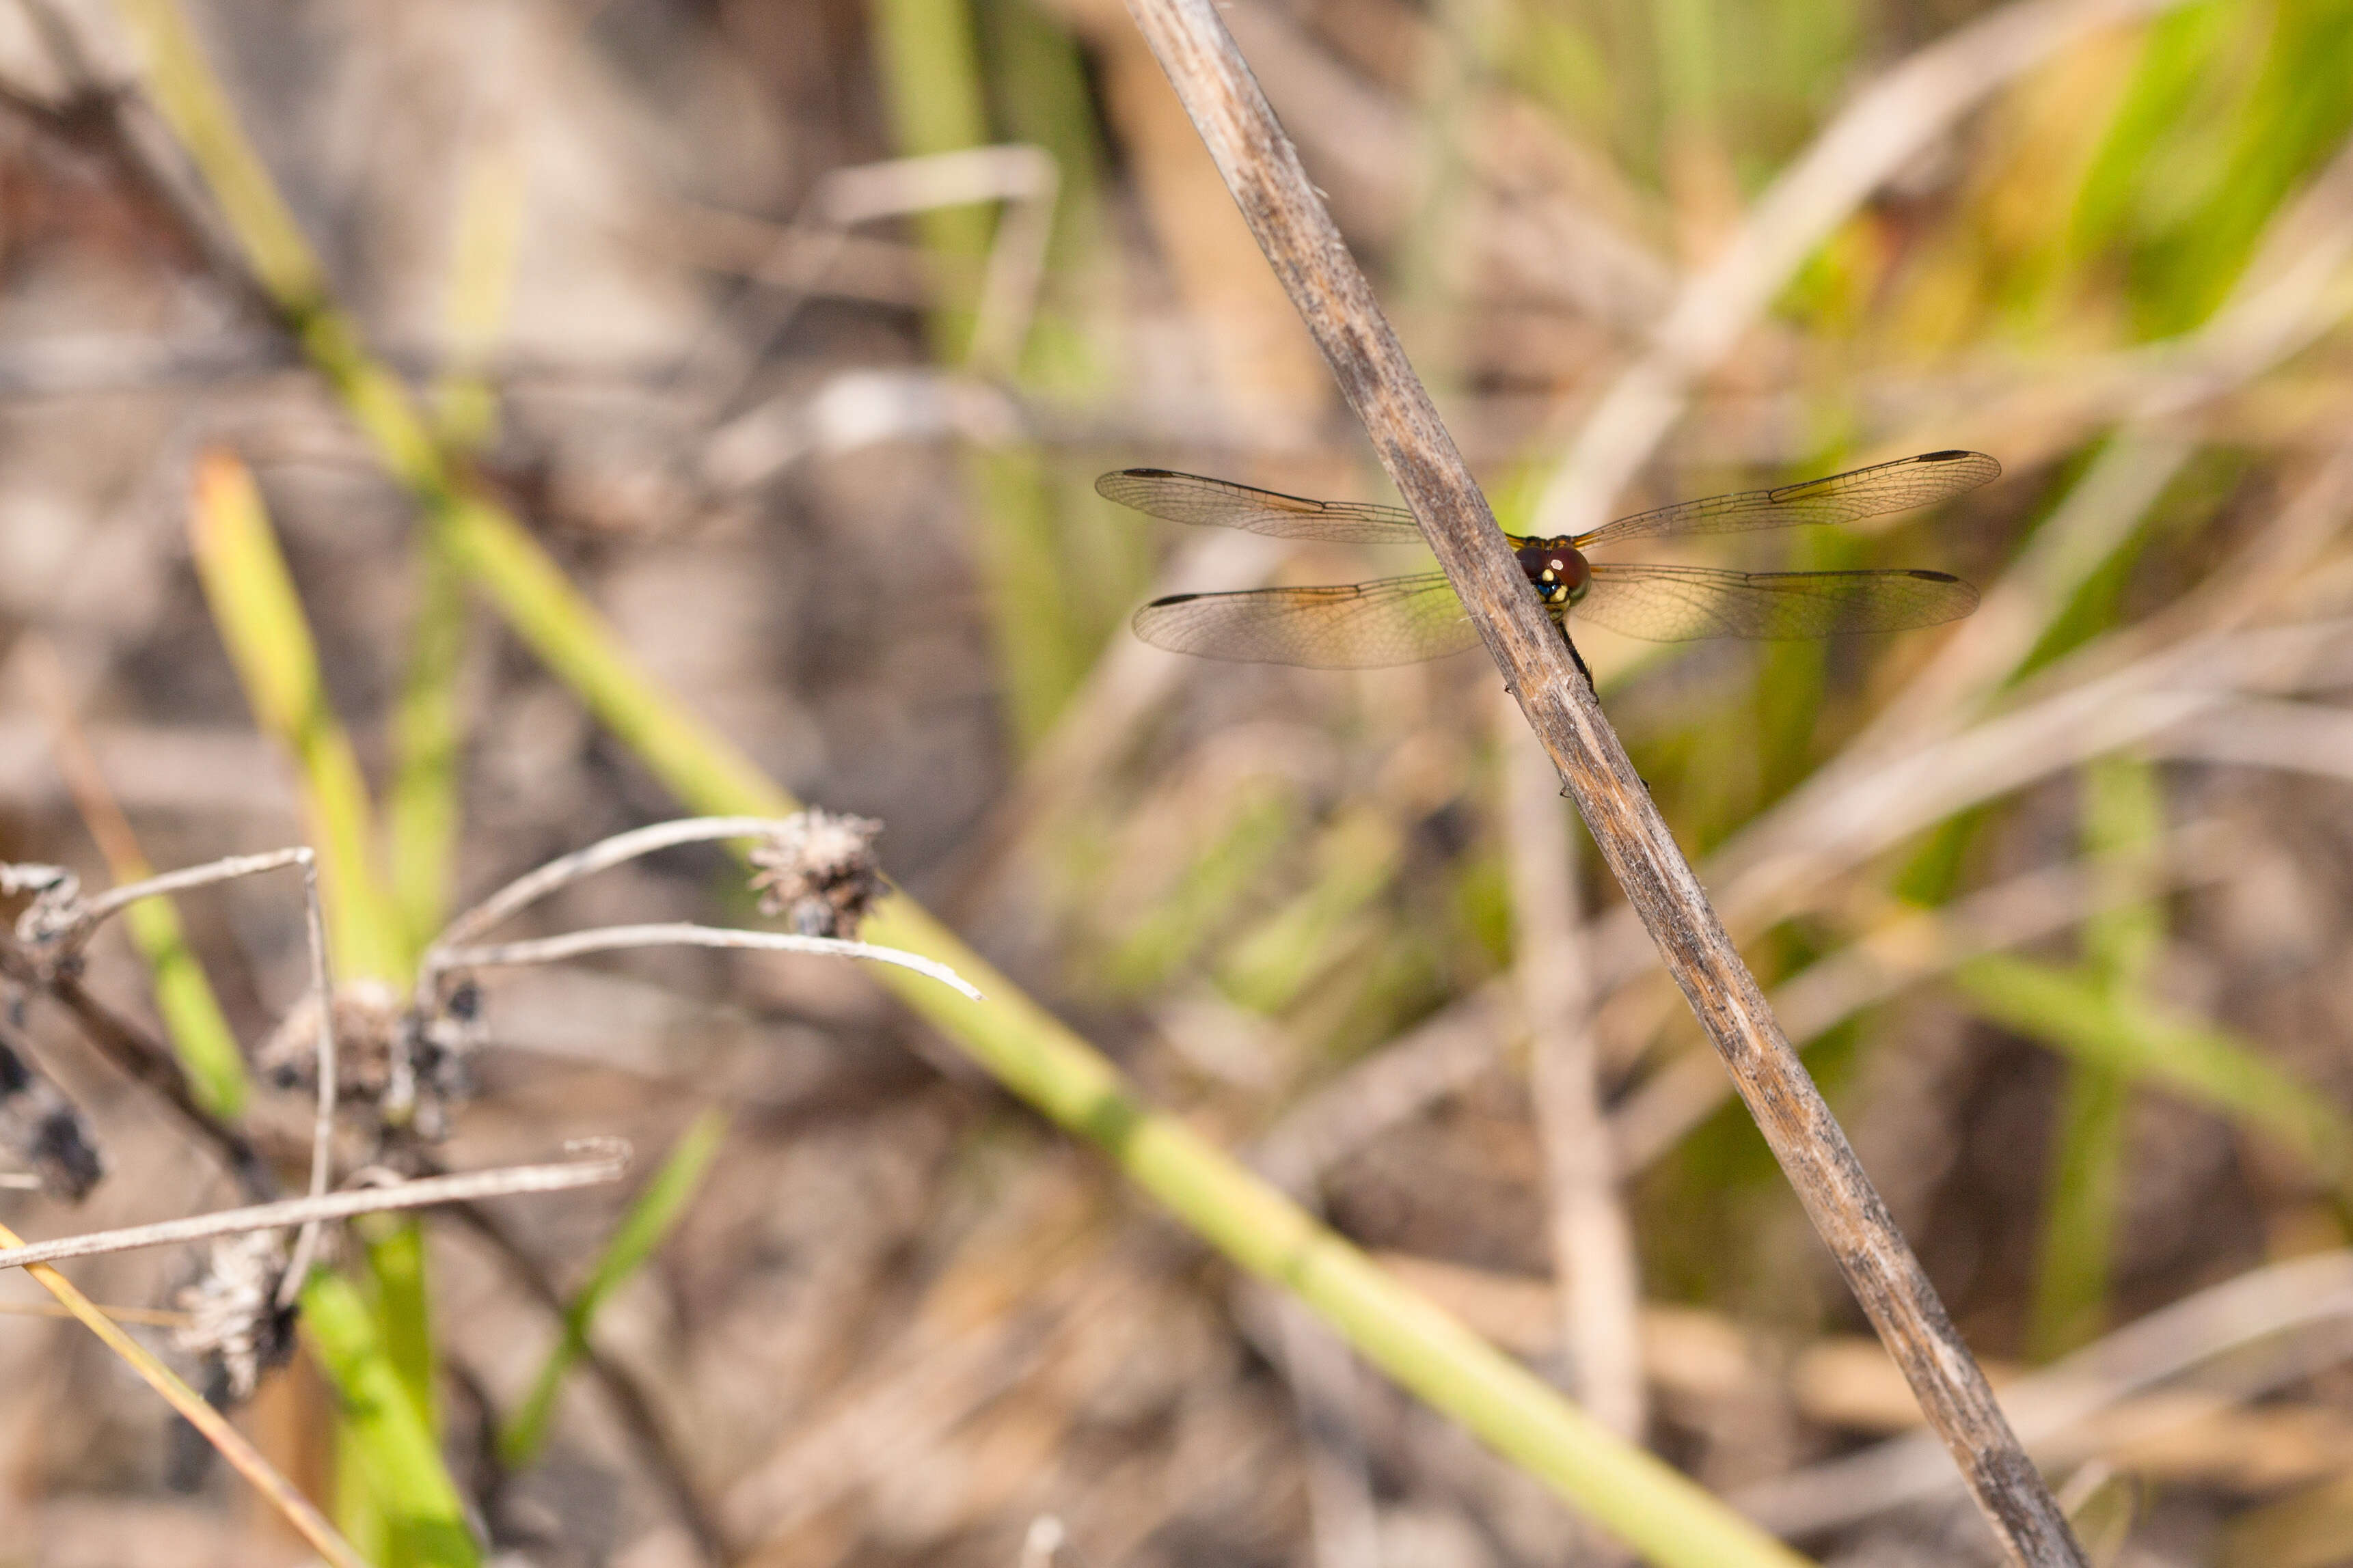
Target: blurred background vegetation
<point>2059,900</point>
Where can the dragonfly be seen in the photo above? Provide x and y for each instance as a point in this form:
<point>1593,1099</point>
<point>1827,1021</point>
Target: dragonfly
<point>1403,620</point>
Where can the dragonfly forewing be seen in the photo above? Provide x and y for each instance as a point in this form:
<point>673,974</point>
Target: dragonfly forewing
<point>1221,503</point>
<point>1359,625</point>
<point>1684,604</point>
<point>1882,488</point>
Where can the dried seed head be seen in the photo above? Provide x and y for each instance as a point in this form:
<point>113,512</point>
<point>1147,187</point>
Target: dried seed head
<point>233,1321</point>
<point>406,1068</point>
<point>367,1023</point>
<point>53,917</point>
<point>41,1129</point>
<point>818,871</point>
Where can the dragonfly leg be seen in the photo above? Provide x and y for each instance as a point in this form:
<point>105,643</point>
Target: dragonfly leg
<point>1579,659</point>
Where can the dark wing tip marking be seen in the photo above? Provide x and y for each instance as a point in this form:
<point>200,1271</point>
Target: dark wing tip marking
<point>1989,464</point>
<point>1172,599</point>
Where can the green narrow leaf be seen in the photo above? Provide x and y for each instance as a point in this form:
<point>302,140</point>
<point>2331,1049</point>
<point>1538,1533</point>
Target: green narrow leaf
<point>396,1256</point>
<point>641,1231</point>
<point>2139,1039</point>
<point>1356,859</point>
<point>2080,1212</point>
<point>1264,816</point>
<point>929,61</point>
<point>2124,825</point>
<point>423,1519</point>
<point>192,1014</point>
<point>421,809</point>
<point>261,621</point>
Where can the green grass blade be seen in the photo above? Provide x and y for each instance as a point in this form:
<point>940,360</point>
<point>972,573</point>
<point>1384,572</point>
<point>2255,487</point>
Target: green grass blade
<point>421,806</point>
<point>642,1229</point>
<point>2142,1040</point>
<point>492,201</point>
<point>2124,825</point>
<point>421,809</point>
<point>261,621</point>
<point>2079,1213</point>
<point>422,1517</point>
<point>928,59</point>
<point>396,1256</point>
<point>192,1015</point>
<point>1264,818</point>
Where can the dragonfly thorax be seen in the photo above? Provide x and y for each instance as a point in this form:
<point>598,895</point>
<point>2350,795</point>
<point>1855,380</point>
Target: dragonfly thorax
<point>1560,574</point>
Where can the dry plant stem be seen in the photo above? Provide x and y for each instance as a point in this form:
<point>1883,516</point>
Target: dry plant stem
<point>101,906</point>
<point>606,939</point>
<point>564,870</point>
<point>322,1135</point>
<point>242,1456</point>
<point>2061,1398</point>
<point>1592,1248</point>
<point>1262,170</point>
<point>313,1212</point>
<point>145,1317</point>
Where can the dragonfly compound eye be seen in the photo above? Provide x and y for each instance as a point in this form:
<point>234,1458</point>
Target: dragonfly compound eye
<point>1560,574</point>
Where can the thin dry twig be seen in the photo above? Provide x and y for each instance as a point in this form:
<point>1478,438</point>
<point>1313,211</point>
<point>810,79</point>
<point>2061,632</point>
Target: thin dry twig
<point>1592,1246</point>
<point>1262,169</point>
<point>605,1160</point>
<point>145,1317</point>
<point>2064,1397</point>
<point>605,853</point>
<point>452,951</point>
<point>679,934</point>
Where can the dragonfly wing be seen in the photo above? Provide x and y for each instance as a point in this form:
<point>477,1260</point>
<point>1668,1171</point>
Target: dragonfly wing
<point>1683,603</point>
<point>1395,620</point>
<point>1194,499</point>
<point>1882,488</point>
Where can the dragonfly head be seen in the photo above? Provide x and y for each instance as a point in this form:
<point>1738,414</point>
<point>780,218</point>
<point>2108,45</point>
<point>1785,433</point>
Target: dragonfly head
<point>1560,574</point>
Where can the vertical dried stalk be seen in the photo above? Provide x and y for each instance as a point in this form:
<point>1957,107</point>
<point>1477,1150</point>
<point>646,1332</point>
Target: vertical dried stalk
<point>1592,1249</point>
<point>1262,170</point>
